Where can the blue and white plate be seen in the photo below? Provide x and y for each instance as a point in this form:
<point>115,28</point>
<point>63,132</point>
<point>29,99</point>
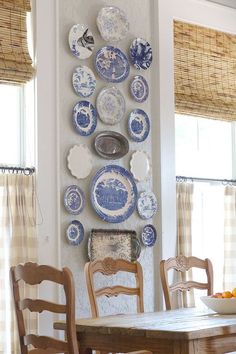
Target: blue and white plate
<point>141,53</point>
<point>138,125</point>
<point>110,105</point>
<point>147,205</point>
<point>149,235</point>
<point>75,233</point>
<point>113,193</point>
<point>84,81</point>
<point>84,118</point>
<point>139,88</point>
<point>81,41</point>
<point>112,23</point>
<point>111,64</point>
<point>74,200</point>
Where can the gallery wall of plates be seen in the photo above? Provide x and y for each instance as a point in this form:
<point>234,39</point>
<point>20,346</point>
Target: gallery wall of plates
<point>108,205</point>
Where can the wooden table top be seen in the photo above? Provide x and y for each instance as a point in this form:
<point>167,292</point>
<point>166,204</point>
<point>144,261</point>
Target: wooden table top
<point>174,324</point>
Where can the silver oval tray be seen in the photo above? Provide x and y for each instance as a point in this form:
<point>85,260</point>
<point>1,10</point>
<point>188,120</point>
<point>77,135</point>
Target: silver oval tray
<point>111,145</point>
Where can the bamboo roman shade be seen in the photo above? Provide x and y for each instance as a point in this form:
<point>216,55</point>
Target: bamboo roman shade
<point>205,72</point>
<point>15,62</point>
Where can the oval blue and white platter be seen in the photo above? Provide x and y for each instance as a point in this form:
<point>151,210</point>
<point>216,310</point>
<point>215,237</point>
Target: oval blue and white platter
<point>138,125</point>
<point>111,64</point>
<point>139,88</point>
<point>113,193</point>
<point>149,235</point>
<point>147,205</point>
<point>83,81</point>
<point>81,41</point>
<point>75,233</point>
<point>74,200</point>
<point>84,118</point>
<point>140,53</point>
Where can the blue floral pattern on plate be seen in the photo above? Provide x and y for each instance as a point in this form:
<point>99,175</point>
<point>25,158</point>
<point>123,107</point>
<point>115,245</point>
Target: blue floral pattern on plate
<point>111,64</point>
<point>138,125</point>
<point>110,105</point>
<point>84,81</point>
<point>74,200</point>
<point>75,233</point>
<point>139,88</point>
<point>81,41</point>
<point>141,54</point>
<point>147,205</point>
<point>113,193</point>
<point>149,235</point>
<point>84,118</point>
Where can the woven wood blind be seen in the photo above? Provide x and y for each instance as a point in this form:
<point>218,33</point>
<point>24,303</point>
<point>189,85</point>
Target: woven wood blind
<point>15,62</point>
<point>205,72</point>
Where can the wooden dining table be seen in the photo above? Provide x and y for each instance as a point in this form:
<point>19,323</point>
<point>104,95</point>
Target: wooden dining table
<point>183,331</point>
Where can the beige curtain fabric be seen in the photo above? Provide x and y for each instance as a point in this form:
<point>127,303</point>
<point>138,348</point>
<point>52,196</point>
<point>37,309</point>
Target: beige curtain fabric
<point>205,72</point>
<point>15,62</point>
<point>17,244</point>
<point>230,238</point>
<point>184,195</point>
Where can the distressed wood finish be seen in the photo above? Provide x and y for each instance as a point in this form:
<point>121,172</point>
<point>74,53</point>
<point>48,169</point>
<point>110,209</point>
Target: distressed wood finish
<point>183,264</point>
<point>33,274</point>
<point>182,331</point>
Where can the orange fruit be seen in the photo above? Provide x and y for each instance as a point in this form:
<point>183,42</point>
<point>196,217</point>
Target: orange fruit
<point>234,292</point>
<point>227,294</point>
<point>218,295</point>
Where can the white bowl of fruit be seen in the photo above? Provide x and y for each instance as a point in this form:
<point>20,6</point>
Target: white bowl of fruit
<point>223,303</point>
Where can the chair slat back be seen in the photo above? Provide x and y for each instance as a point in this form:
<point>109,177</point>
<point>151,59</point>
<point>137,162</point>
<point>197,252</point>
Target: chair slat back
<point>33,274</point>
<point>182,264</point>
<point>108,267</point>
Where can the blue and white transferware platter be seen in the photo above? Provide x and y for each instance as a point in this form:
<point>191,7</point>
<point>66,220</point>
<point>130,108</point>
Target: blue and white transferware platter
<point>111,64</point>
<point>84,81</point>
<point>139,88</point>
<point>110,105</point>
<point>112,23</point>
<point>81,41</point>
<point>113,193</point>
<point>84,118</point>
<point>149,235</point>
<point>138,125</point>
<point>74,200</point>
<point>141,53</point>
<point>147,205</point>
<point>75,233</point>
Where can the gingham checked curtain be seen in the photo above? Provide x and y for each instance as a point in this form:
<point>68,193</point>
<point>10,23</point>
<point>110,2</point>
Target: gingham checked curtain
<point>230,238</point>
<point>17,244</point>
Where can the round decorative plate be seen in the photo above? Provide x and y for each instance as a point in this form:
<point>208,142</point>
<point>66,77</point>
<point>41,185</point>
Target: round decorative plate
<point>140,165</point>
<point>112,23</point>
<point>79,161</point>
<point>111,64</point>
<point>74,200</point>
<point>84,118</point>
<point>110,105</point>
<point>138,125</point>
<point>113,193</point>
<point>147,205</point>
<point>75,233</point>
<point>149,235</point>
<point>84,81</point>
<point>81,41</point>
<point>141,53</point>
<point>139,88</point>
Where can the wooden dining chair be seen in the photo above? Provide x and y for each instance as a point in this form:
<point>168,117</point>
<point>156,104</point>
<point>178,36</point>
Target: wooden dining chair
<point>182,265</point>
<point>33,274</point>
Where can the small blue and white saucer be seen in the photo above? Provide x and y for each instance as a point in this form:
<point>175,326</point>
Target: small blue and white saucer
<point>138,125</point>
<point>149,235</point>
<point>74,200</point>
<point>139,88</point>
<point>84,118</point>
<point>84,81</point>
<point>75,233</point>
<point>147,205</point>
<point>140,54</point>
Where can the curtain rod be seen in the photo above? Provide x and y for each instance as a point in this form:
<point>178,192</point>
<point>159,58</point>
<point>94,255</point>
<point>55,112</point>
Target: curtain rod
<point>203,179</point>
<point>17,169</point>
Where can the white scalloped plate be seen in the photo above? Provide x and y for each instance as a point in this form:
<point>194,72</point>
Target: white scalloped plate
<point>79,161</point>
<point>140,165</point>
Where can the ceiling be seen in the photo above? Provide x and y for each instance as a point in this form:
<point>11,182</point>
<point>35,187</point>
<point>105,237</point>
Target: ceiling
<point>229,3</point>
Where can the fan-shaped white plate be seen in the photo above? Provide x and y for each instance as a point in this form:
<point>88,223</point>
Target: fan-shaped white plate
<point>79,161</point>
<point>110,105</point>
<point>140,165</point>
<point>112,23</point>
<point>81,41</point>
<point>84,81</point>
